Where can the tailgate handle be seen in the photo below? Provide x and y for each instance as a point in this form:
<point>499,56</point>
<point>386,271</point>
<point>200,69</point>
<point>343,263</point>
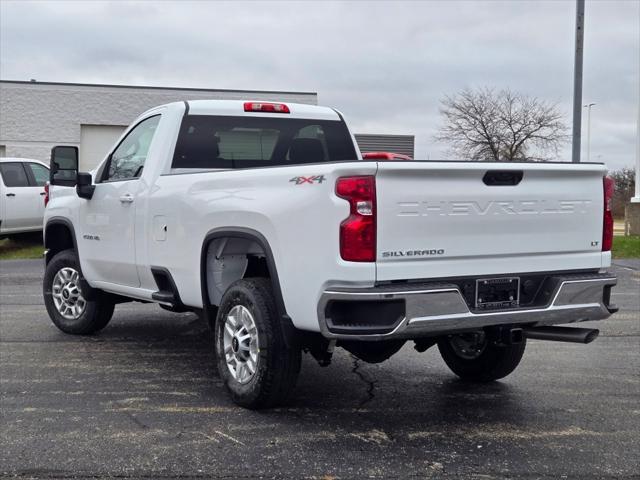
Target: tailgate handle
<point>502,177</point>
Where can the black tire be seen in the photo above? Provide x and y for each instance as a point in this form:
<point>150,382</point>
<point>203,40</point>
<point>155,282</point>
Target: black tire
<point>495,361</point>
<point>277,366</point>
<point>96,313</point>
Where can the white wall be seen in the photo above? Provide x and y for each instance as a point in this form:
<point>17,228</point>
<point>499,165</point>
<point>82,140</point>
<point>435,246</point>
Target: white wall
<point>35,116</point>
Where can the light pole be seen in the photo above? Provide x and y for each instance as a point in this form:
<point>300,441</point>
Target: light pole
<point>577,82</point>
<point>588,107</point>
<point>636,197</point>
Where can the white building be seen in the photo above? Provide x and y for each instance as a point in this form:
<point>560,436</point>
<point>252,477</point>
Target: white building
<point>35,116</point>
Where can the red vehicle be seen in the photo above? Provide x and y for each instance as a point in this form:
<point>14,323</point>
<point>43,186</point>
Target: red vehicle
<point>385,156</point>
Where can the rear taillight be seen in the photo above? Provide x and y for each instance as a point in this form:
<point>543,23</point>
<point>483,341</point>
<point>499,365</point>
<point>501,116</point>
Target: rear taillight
<point>609,186</point>
<point>266,107</point>
<point>358,231</point>
<point>46,194</point>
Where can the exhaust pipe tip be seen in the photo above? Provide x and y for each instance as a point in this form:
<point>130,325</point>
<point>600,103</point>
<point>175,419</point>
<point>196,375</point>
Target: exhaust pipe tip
<point>591,335</point>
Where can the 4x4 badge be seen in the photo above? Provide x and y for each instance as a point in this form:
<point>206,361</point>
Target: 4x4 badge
<point>311,180</point>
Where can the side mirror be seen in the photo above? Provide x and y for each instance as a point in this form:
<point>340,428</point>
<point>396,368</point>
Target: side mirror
<point>64,166</point>
<point>85,187</point>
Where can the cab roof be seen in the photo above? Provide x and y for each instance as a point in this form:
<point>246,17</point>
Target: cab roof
<point>237,108</point>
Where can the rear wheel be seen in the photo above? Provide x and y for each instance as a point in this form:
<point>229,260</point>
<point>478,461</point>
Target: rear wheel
<point>474,357</point>
<point>258,368</point>
<point>65,301</point>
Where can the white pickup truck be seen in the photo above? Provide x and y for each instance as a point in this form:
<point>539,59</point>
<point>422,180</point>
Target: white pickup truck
<point>264,219</point>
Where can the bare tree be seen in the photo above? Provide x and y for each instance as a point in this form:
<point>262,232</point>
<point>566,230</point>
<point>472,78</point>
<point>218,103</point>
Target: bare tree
<point>503,126</point>
<point>625,188</point>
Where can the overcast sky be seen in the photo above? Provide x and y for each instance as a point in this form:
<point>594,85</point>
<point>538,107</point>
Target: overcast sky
<point>386,65</point>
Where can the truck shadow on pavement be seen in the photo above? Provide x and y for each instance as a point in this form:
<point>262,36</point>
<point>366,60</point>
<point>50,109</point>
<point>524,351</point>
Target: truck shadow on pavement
<point>411,388</point>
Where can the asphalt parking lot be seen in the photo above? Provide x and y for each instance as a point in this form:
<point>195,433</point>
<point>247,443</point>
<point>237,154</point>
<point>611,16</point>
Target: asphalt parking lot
<point>143,400</point>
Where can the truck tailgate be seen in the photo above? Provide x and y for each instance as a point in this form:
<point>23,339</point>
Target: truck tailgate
<point>449,219</point>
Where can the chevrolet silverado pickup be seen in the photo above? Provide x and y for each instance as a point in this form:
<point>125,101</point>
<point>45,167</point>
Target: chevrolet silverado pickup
<point>264,219</point>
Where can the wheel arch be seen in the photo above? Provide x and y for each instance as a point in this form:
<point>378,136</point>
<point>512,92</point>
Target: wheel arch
<point>259,239</point>
<point>59,235</point>
<point>244,234</point>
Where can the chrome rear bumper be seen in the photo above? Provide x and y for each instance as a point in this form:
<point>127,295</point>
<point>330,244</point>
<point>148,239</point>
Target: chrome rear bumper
<point>436,309</point>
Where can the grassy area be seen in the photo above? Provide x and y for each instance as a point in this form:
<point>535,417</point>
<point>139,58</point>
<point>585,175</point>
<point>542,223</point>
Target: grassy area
<point>22,246</point>
<point>626,247</point>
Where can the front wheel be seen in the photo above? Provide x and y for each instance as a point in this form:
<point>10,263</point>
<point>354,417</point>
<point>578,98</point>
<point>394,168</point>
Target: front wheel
<point>66,304</point>
<point>258,369</point>
<point>474,357</point>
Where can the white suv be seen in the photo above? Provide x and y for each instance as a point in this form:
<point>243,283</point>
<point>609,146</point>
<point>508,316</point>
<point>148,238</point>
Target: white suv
<point>22,195</point>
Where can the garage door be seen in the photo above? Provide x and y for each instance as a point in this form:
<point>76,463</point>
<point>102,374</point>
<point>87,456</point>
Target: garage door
<point>95,142</point>
<point>403,144</point>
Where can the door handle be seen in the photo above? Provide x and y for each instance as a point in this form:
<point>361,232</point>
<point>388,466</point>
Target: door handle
<point>502,177</point>
<point>126,198</point>
<point>11,194</point>
<point>43,193</point>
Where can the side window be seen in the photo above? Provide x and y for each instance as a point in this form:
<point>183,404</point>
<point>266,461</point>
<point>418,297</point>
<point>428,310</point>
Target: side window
<point>14,174</point>
<point>127,161</point>
<point>40,173</point>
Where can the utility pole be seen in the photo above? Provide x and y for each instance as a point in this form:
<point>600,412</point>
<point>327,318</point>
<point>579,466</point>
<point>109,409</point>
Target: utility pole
<point>588,107</point>
<point>577,82</point>
<point>636,197</point>
<point>632,210</point>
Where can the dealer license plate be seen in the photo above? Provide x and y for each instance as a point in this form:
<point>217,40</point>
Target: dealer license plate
<point>497,293</point>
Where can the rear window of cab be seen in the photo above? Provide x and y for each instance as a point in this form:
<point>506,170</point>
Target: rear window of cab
<point>218,142</point>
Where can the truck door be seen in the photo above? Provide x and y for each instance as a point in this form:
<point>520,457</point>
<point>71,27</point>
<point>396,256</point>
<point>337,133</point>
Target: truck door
<point>107,221</point>
<point>20,199</point>
<point>38,176</point>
